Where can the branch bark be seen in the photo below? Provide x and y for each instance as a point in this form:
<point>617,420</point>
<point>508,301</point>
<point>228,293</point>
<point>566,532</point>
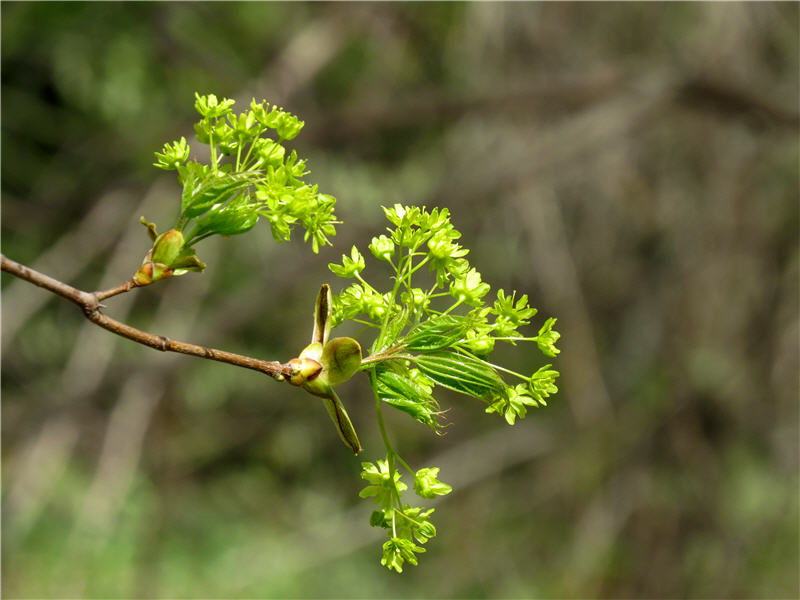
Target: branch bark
<point>89,302</point>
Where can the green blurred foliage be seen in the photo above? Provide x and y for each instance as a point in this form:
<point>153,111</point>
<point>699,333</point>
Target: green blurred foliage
<point>632,167</point>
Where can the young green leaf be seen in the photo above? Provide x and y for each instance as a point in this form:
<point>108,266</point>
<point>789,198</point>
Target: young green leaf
<point>408,391</point>
<point>437,332</point>
<point>461,373</point>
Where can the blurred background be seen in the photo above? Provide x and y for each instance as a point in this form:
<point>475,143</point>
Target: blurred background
<point>632,167</point>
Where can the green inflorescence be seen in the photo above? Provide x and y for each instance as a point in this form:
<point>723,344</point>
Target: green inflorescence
<point>441,334</point>
<point>250,176</point>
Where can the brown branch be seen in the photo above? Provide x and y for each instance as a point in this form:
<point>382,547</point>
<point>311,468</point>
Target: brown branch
<point>120,289</point>
<point>90,304</point>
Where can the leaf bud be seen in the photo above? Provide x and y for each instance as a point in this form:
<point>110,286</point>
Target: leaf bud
<point>340,360</point>
<point>303,370</point>
<point>167,247</point>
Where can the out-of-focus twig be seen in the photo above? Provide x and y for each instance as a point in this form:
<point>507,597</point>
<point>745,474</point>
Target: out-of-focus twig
<point>724,98</point>
<point>436,107</point>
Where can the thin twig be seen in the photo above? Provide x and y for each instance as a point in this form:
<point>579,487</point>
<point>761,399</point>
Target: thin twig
<point>120,289</point>
<point>90,304</point>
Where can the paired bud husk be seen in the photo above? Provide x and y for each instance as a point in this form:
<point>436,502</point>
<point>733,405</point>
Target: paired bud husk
<point>324,364</point>
<point>167,258</point>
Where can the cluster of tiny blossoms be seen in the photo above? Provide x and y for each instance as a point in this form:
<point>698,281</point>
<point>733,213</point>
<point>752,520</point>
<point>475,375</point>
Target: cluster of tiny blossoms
<point>250,175</point>
<point>438,333</point>
<point>442,333</point>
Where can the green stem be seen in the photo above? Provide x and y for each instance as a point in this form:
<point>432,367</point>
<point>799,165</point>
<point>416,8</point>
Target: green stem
<point>397,282</point>
<point>366,285</point>
<point>191,239</point>
<point>259,131</point>
<point>433,289</point>
<point>213,147</point>
<point>405,464</point>
<point>381,425</point>
<point>390,453</point>
<point>458,302</point>
<point>365,324</point>
<point>415,269</point>
<point>492,365</point>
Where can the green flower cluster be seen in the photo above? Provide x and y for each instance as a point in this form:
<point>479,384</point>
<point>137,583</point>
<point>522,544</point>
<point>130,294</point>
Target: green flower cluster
<point>250,175</point>
<point>422,342</point>
<point>408,526</point>
<point>437,333</point>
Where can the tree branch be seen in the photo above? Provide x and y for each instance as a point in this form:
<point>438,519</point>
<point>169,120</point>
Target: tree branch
<point>90,304</point>
<point>121,288</point>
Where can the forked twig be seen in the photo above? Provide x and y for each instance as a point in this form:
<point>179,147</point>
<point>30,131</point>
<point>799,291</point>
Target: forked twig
<point>89,302</point>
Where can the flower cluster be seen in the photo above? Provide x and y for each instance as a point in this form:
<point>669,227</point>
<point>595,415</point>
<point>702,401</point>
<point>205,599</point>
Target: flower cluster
<point>408,526</point>
<point>440,332</point>
<point>250,176</point>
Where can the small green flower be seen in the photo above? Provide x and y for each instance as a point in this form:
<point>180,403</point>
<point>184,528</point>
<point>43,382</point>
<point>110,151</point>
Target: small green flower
<point>547,338</point>
<point>382,484</point>
<point>397,551</point>
<point>542,384</point>
<point>427,485</point>
<point>416,298</point>
<point>211,108</point>
<point>351,265</point>
<point>469,288</point>
<point>172,155</point>
<point>382,248</point>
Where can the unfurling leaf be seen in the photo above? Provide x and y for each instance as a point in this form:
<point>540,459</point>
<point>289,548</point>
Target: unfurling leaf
<point>461,373</point>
